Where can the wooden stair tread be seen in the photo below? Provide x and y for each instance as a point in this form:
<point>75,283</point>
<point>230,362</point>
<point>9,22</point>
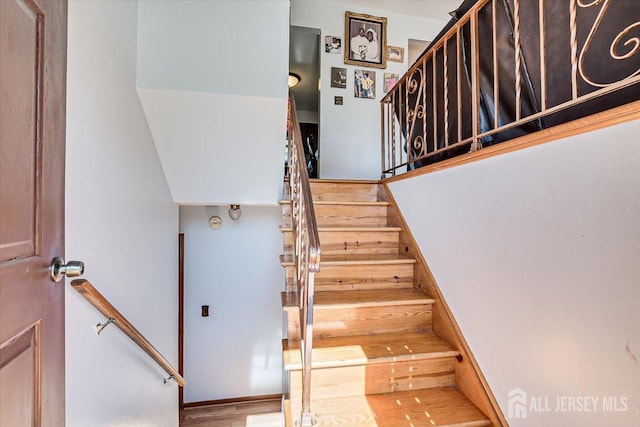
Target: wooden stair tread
<point>370,298</point>
<point>344,181</point>
<point>427,407</point>
<point>342,203</point>
<point>350,229</point>
<point>365,259</point>
<point>367,349</point>
<point>355,259</point>
<point>364,298</point>
<point>435,407</point>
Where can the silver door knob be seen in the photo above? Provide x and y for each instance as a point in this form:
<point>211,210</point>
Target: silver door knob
<point>58,268</point>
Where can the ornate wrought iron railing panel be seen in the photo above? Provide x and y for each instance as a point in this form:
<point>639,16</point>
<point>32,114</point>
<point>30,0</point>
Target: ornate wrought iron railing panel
<point>507,68</point>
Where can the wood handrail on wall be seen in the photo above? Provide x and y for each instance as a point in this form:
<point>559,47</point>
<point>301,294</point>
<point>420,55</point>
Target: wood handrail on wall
<point>96,299</point>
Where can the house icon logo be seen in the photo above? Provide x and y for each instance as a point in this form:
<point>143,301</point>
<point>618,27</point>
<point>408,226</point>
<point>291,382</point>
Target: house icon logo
<point>517,403</point>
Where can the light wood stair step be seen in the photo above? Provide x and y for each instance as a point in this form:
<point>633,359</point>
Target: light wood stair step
<point>353,259</point>
<point>361,299</point>
<point>344,190</point>
<point>370,298</point>
<point>342,213</point>
<point>351,366</point>
<point>347,229</point>
<point>369,349</point>
<point>436,407</point>
<point>356,272</point>
<point>351,240</point>
<point>365,272</point>
<point>371,312</point>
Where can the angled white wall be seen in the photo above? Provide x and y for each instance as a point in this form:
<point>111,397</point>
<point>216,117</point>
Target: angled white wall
<point>120,220</point>
<point>218,148</point>
<point>213,82</point>
<point>350,133</point>
<point>536,253</point>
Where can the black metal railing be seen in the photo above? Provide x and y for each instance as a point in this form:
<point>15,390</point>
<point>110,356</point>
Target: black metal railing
<point>505,68</point>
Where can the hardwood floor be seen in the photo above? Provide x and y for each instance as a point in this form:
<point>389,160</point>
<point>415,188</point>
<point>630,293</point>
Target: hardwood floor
<point>264,413</point>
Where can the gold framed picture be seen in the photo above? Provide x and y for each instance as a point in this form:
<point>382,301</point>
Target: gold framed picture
<point>390,80</point>
<point>366,40</point>
<point>395,54</point>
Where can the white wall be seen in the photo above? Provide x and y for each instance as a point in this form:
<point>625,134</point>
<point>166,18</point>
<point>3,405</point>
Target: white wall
<point>121,221</point>
<point>218,148</point>
<point>536,253</point>
<point>218,46</point>
<point>350,134</point>
<point>213,83</point>
<point>236,351</point>
<point>212,79</point>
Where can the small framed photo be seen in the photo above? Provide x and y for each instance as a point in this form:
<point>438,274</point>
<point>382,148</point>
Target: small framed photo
<point>339,77</point>
<point>333,44</point>
<point>390,81</point>
<point>395,53</point>
<point>364,84</point>
<point>366,40</point>
<point>337,100</point>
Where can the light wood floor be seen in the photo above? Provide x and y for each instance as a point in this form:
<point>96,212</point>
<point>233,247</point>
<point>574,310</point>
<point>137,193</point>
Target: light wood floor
<point>265,413</point>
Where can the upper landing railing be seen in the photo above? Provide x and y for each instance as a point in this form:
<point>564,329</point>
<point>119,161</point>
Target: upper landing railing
<point>507,68</point>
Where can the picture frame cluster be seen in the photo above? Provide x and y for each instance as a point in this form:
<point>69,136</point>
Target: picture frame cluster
<point>364,45</point>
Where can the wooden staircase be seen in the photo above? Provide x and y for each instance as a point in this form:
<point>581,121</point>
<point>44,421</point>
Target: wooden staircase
<point>376,358</point>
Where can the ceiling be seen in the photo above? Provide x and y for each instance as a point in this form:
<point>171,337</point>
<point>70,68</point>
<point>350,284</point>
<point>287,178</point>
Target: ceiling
<point>434,9</point>
<point>304,43</point>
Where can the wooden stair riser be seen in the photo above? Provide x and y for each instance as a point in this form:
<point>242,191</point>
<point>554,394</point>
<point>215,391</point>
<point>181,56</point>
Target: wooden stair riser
<point>356,276</point>
<point>350,321</point>
<point>330,383</point>
<point>410,375</point>
<point>287,415</point>
<point>344,192</point>
<point>289,278</point>
<point>376,378</point>
<point>341,215</point>
<point>349,242</point>
<point>363,277</point>
<point>287,216</point>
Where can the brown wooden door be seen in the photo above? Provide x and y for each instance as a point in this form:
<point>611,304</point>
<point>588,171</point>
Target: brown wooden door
<point>32,139</point>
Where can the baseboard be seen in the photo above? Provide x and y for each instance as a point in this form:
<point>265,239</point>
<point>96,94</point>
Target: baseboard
<point>235,400</point>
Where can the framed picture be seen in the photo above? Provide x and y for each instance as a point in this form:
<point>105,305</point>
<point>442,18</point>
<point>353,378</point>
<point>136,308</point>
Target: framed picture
<point>395,53</point>
<point>339,77</point>
<point>390,81</point>
<point>364,84</point>
<point>366,40</point>
<point>332,44</point>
